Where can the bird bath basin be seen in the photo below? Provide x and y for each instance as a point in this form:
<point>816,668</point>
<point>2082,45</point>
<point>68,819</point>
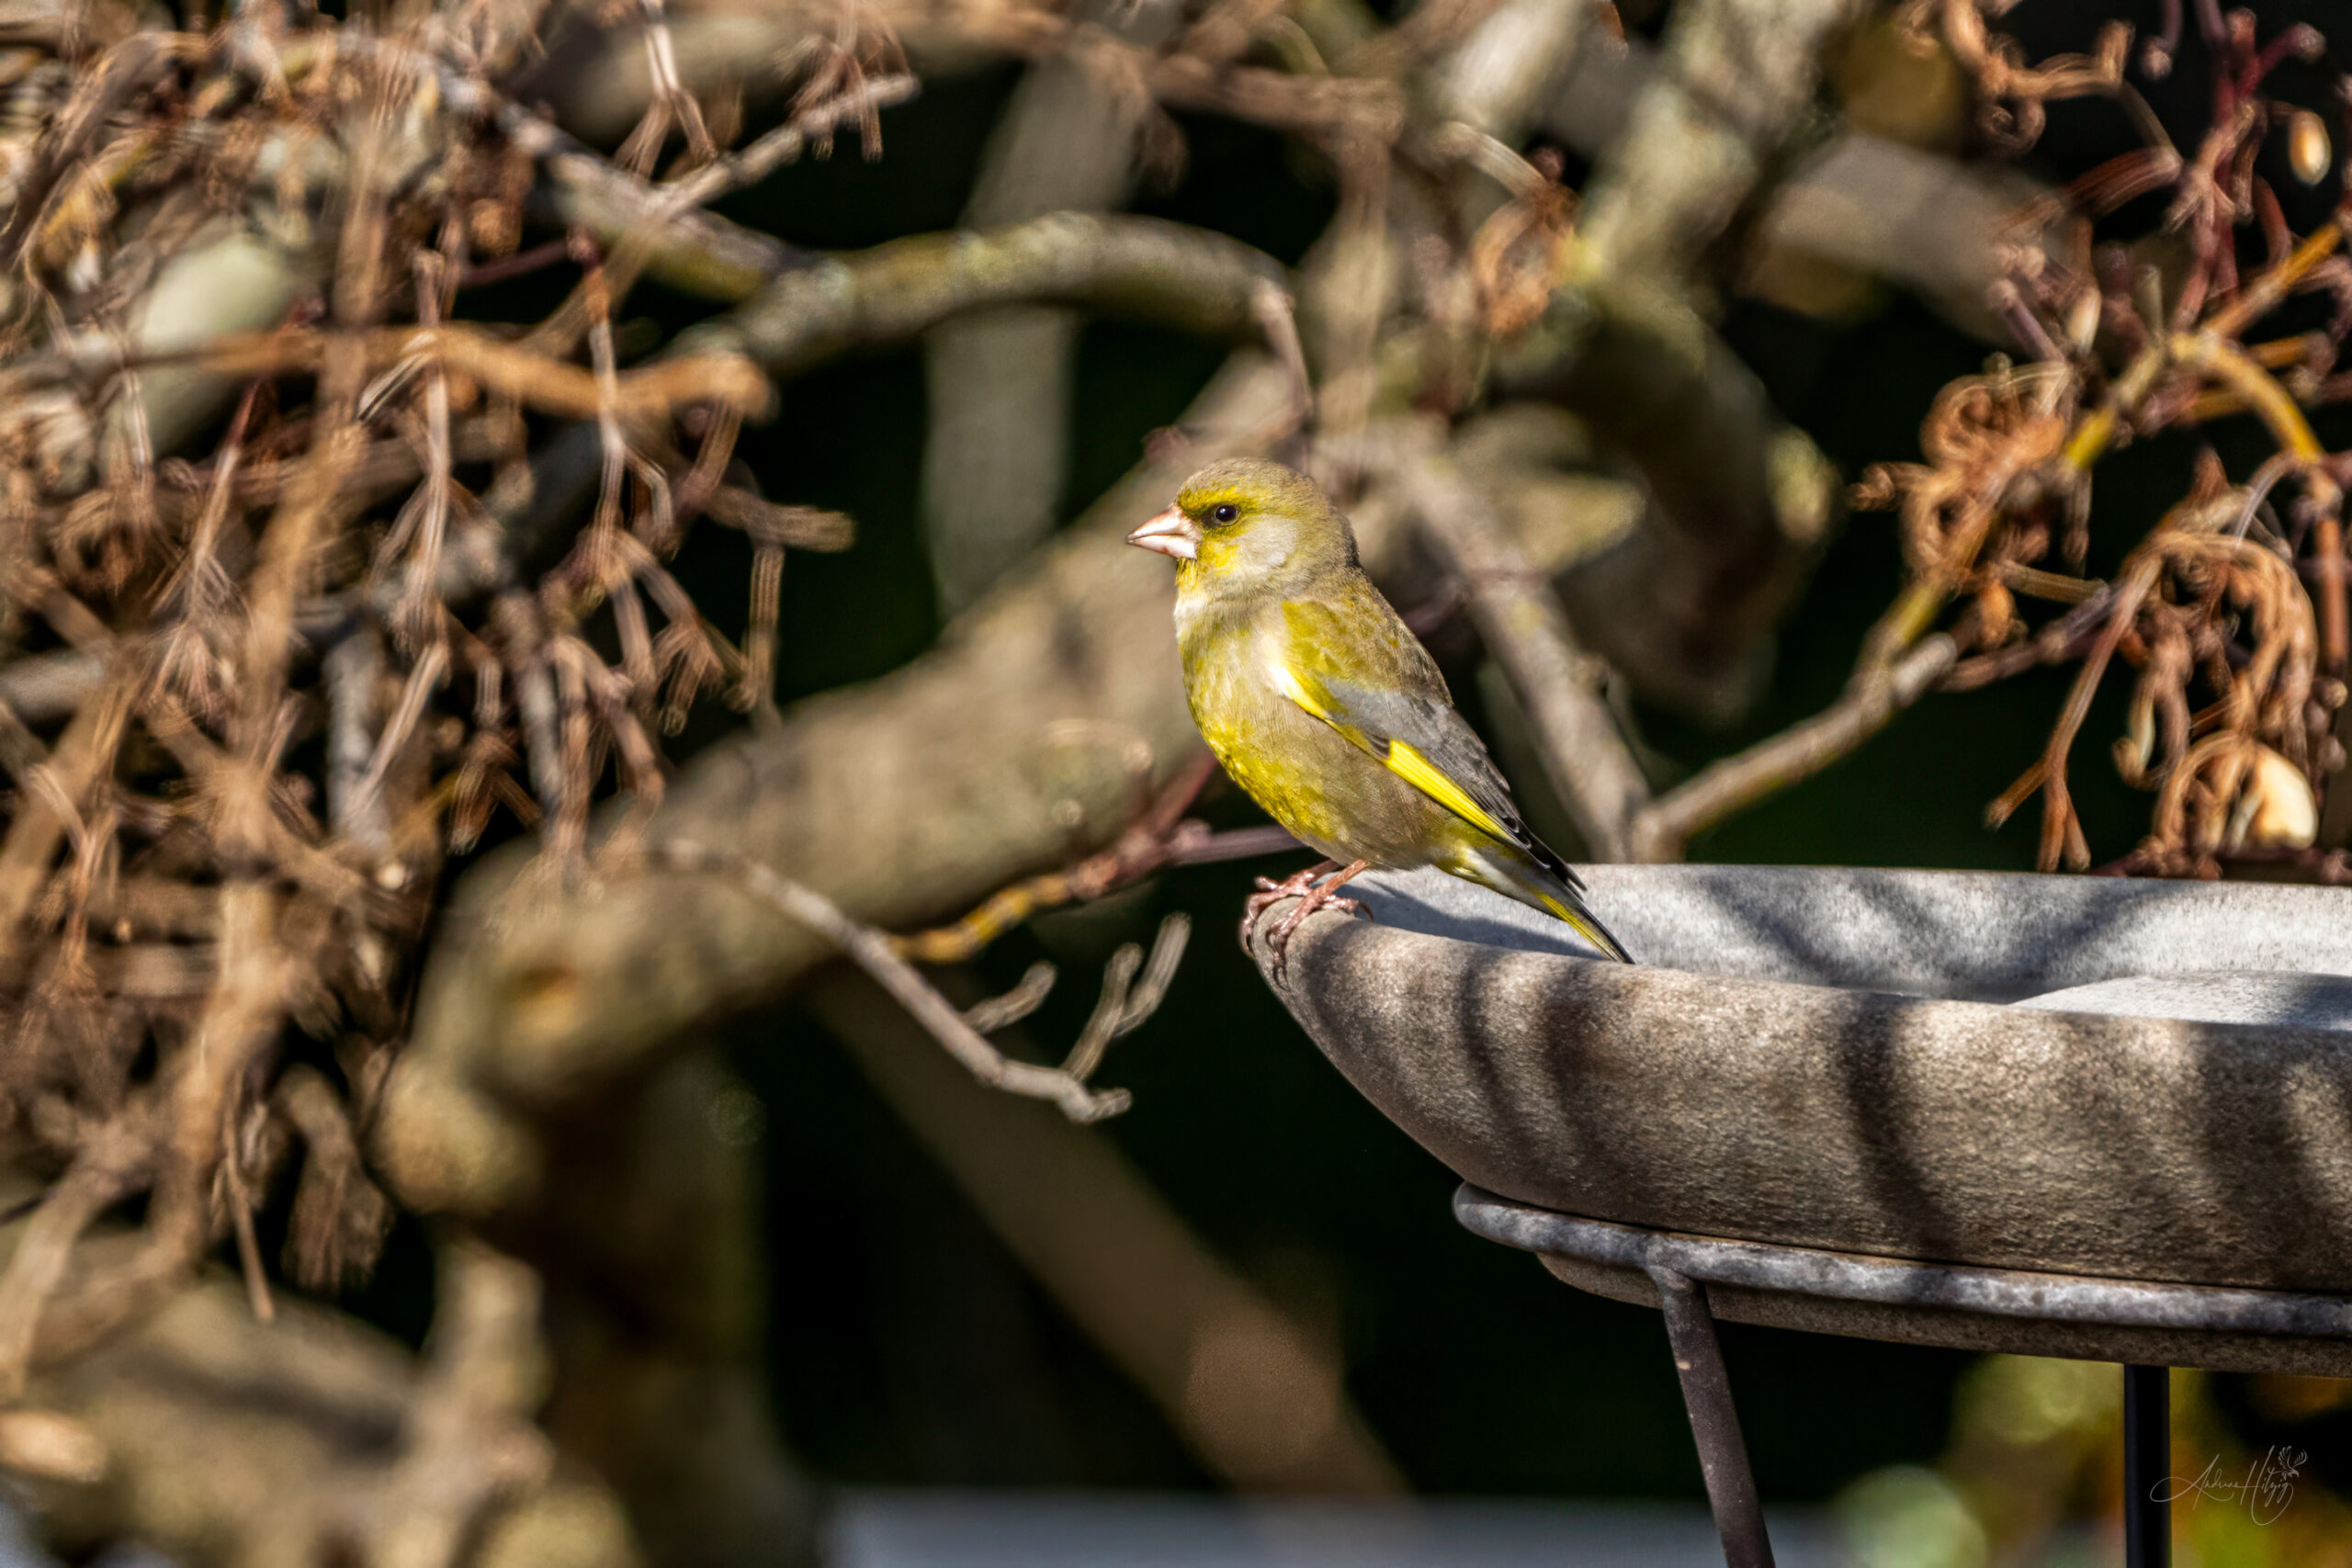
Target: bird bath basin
<point>2065,1116</point>
<point>1837,1060</point>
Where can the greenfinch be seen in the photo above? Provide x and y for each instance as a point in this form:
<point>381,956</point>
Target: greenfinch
<point>1323,705</point>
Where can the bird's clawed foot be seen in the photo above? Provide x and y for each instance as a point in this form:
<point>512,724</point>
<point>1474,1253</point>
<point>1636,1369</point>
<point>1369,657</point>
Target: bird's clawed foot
<point>1298,885</point>
<point>1312,895</point>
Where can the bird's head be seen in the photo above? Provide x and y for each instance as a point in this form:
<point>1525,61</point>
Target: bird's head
<point>1245,525</point>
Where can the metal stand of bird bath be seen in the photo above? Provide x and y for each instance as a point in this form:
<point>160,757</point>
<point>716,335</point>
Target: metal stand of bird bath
<point>1683,1268</point>
<point>1730,1485</point>
<point>1714,1419</point>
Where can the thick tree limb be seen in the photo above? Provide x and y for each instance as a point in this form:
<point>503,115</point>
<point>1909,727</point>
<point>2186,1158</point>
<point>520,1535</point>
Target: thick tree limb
<point>1512,64</point>
<point>684,246</point>
<point>231,283</point>
<point>1737,73</point>
<point>605,92</point>
<point>698,253</point>
<point>1930,223</point>
<point>1743,501</point>
<point>45,687</point>
<point>222,1442</point>
<point>1190,280</point>
<point>653,1241</point>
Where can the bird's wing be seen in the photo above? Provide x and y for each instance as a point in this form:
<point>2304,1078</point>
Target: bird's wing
<point>1392,703</point>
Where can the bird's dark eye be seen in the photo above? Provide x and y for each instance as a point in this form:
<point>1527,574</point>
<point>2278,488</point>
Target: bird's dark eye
<point>1225,514</point>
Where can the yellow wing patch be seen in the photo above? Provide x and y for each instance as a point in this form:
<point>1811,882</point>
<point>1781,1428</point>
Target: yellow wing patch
<point>1423,775</point>
<point>1295,690</point>
<point>1402,759</point>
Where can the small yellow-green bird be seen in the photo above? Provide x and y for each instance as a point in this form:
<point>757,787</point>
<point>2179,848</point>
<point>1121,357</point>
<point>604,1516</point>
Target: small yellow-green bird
<point>1324,706</point>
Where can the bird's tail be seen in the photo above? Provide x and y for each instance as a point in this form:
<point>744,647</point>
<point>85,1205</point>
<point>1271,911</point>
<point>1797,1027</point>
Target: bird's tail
<point>1554,889</point>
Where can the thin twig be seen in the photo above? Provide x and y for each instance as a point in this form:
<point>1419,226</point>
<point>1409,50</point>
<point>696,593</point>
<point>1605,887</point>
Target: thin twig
<point>1002,1013</point>
<point>1160,838</point>
<point>2061,641</point>
<point>1277,317</point>
<point>514,370</point>
<point>874,952</point>
<point>672,104</point>
<point>1121,1010</point>
<point>749,164</point>
<point>414,693</point>
<point>352,671</point>
<point>1241,843</point>
<point>1876,694</point>
<point>1193,279</point>
<point>241,1220</point>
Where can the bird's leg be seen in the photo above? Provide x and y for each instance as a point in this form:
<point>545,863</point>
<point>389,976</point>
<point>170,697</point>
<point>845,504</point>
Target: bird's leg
<point>1311,897</point>
<point>1297,884</point>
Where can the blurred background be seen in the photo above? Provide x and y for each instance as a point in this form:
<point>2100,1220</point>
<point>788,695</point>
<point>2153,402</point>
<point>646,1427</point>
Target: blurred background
<point>792,1284</point>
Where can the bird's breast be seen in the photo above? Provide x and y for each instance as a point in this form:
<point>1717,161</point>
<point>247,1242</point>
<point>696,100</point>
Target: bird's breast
<point>1307,775</point>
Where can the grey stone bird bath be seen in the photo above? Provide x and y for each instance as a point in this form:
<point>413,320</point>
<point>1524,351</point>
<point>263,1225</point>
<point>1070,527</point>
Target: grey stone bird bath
<point>2065,1116</point>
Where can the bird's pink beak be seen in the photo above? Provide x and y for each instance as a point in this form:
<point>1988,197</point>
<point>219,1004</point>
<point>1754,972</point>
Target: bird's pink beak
<point>1171,534</point>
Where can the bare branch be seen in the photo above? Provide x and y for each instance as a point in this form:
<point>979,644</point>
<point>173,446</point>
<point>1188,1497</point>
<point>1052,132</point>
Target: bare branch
<point>874,951</point>
<point>1002,1013</point>
<point>1527,633</point>
<point>1742,502</point>
<point>241,1221</point>
<point>997,447</point>
<point>340,1217</point>
<point>114,1163</point>
<point>1512,63</point>
<point>44,687</point>
<point>353,670</point>
<point>1737,73</point>
<point>1876,694</point>
<point>1125,1004</point>
<point>1190,280</point>
<point>1157,839</point>
<point>1277,316</point>
<point>514,370</point>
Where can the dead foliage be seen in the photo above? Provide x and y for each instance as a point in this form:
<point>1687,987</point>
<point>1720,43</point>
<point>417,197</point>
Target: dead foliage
<point>308,654</point>
<point>2231,609</point>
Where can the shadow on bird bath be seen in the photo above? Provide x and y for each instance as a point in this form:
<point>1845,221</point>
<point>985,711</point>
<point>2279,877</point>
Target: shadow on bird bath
<point>1820,1065</point>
